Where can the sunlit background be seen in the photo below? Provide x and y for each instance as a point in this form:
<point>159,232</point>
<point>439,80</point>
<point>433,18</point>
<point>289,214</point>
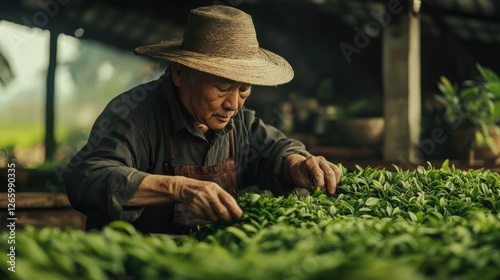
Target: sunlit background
<point>88,75</point>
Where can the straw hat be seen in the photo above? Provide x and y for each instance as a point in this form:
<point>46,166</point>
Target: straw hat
<point>221,40</point>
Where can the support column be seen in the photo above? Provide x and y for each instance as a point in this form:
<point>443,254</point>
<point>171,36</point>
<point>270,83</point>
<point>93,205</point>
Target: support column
<point>50,143</point>
<point>402,92</point>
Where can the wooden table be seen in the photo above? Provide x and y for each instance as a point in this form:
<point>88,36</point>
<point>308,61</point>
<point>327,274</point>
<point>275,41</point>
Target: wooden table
<point>41,210</point>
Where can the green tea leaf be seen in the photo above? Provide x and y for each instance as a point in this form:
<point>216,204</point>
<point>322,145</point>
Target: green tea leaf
<point>372,201</point>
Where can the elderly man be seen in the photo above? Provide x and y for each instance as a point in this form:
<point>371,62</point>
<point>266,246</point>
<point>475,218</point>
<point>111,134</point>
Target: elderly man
<point>171,154</point>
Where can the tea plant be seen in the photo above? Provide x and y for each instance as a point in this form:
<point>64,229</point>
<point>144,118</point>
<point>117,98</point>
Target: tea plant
<point>429,223</point>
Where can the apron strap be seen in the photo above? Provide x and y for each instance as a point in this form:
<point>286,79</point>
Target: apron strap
<point>169,139</point>
<point>232,149</point>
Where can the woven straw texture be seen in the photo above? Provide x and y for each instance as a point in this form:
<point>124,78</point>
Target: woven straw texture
<point>221,40</point>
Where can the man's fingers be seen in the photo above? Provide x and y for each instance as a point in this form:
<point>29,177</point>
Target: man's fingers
<point>233,210</point>
<point>323,173</point>
<point>207,209</point>
<point>223,207</point>
<point>338,172</point>
<point>328,176</point>
<point>211,202</point>
<point>313,165</point>
<point>310,175</point>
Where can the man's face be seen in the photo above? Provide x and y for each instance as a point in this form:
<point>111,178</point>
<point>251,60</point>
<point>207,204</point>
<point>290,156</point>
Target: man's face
<point>212,101</point>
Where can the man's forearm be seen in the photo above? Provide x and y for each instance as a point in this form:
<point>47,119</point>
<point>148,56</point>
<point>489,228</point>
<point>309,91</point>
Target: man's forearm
<point>155,189</point>
<point>207,199</point>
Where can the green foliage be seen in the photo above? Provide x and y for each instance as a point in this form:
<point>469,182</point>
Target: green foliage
<point>476,103</point>
<point>430,223</point>
<point>20,134</point>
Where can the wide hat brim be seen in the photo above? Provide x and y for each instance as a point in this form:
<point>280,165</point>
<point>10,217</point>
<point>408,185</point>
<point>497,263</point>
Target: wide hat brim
<point>264,68</point>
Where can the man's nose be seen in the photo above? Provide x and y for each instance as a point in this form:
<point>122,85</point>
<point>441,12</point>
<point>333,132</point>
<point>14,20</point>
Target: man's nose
<point>232,100</point>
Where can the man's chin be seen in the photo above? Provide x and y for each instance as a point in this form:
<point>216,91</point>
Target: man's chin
<point>219,125</point>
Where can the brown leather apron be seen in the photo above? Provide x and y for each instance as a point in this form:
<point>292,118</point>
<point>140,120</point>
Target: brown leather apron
<point>224,174</point>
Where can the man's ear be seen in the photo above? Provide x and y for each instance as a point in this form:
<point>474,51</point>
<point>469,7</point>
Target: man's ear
<point>176,73</point>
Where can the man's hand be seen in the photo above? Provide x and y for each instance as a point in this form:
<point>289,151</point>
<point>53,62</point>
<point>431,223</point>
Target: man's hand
<point>311,172</point>
<point>207,200</point>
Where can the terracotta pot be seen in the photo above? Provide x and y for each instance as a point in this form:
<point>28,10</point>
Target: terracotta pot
<point>362,131</point>
<point>464,137</point>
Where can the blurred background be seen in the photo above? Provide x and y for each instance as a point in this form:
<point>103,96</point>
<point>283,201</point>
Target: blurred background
<point>364,92</point>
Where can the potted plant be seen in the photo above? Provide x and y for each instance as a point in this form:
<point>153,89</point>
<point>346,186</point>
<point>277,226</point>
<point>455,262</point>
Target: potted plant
<point>472,113</point>
<point>361,126</point>
<point>349,123</point>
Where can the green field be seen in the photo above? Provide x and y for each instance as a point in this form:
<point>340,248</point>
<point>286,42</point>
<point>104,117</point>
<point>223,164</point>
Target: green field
<point>21,134</point>
<point>26,135</point>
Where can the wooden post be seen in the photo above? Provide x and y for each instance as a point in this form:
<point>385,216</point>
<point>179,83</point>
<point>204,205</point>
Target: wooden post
<point>402,92</point>
<point>50,143</point>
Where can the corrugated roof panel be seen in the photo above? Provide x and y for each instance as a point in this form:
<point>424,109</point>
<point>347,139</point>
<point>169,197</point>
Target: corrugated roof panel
<point>89,16</point>
<point>487,6</point>
<point>107,18</point>
<point>467,6</point>
<point>125,23</point>
<point>463,33</point>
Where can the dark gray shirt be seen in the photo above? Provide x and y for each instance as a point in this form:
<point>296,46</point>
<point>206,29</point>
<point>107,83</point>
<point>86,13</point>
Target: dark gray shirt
<point>127,143</point>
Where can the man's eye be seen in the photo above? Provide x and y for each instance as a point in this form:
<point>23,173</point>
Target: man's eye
<point>222,92</point>
<point>244,92</point>
<point>223,89</point>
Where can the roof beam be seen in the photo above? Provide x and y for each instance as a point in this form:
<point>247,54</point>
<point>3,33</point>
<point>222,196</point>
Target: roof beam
<point>457,13</point>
